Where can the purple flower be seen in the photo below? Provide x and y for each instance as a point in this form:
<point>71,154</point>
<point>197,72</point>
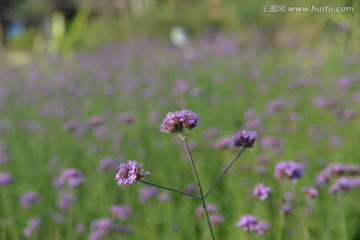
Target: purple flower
<point>247,222</point>
<point>341,184</point>
<point>107,164</point>
<point>262,227</point>
<point>261,191</point>
<point>175,122</point>
<point>288,169</point>
<point>120,211</point>
<point>72,177</point>
<point>244,138</point>
<point>28,198</point>
<point>126,118</point>
<point>216,219</point>
<point>130,172</point>
<point>34,222</point>
<point>65,201</point>
<point>5,179</point>
<point>102,226</point>
<point>146,193</point>
<point>310,192</point>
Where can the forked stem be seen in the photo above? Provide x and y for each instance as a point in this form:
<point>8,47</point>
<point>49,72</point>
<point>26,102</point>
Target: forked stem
<point>202,198</point>
<point>225,171</point>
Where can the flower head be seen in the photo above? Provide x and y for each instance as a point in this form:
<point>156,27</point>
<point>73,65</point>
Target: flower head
<point>289,169</point>
<point>130,172</point>
<point>247,222</point>
<point>175,122</point>
<point>72,177</point>
<point>244,138</point>
<point>262,191</point>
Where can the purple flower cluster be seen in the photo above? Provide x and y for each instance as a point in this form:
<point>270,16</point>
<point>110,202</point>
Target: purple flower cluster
<point>120,211</point>
<point>70,177</point>
<point>28,199</point>
<point>337,169</point>
<point>130,172</point>
<point>33,224</point>
<point>5,179</point>
<point>342,183</point>
<point>262,192</point>
<point>100,228</point>
<point>250,223</point>
<point>310,192</point>
<point>244,138</point>
<point>288,169</point>
<point>176,122</point>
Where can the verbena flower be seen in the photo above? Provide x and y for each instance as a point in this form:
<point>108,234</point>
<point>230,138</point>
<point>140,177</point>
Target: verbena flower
<point>341,184</point>
<point>120,211</point>
<point>262,227</point>
<point>28,198</point>
<point>130,172</point>
<point>72,177</point>
<point>247,222</point>
<point>310,192</point>
<point>262,192</point>
<point>176,122</point>
<point>5,179</point>
<point>244,138</point>
<point>288,169</point>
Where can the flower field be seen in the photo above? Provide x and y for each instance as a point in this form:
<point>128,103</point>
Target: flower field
<point>67,123</point>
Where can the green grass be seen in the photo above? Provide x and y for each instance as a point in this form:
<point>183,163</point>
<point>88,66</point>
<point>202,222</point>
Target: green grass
<point>141,76</point>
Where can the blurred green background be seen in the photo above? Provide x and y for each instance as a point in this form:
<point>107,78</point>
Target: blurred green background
<point>63,26</point>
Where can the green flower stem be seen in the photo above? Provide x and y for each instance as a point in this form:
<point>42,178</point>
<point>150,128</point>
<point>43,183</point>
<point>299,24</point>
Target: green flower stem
<point>169,189</point>
<point>202,198</point>
<point>225,171</point>
<point>335,214</point>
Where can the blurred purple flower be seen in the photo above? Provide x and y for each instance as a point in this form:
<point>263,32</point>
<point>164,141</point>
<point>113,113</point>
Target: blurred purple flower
<point>65,201</point>
<point>262,192</point>
<point>288,169</point>
<point>5,179</point>
<point>275,105</point>
<point>35,222</point>
<point>247,222</point>
<point>310,192</point>
<point>223,143</point>
<point>344,83</point>
<point>71,177</point>
<point>262,227</point>
<point>126,118</point>
<point>29,198</point>
<point>146,193</point>
<point>130,172</point>
<point>216,219</point>
<point>341,184</point>
<point>121,211</point>
<point>107,164</point>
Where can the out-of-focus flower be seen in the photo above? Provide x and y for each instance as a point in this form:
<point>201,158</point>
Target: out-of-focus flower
<point>262,227</point>
<point>65,201</point>
<point>28,198</point>
<point>223,143</point>
<point>244,138</point>
<point>126,118</point>
<point>288,169</point>
<point>341,184</point>
<point>146,193</point>
<point>176,122</point>
<point>262,192</point>
<point>120,211</point>
<point>287,208</point>
<point>107,164</point>
<point>216,219</point>
<point>130,172</point>
<point>5,179</point>
<point>71,177</point>
<point>247,222</point>
<point>310,192</point>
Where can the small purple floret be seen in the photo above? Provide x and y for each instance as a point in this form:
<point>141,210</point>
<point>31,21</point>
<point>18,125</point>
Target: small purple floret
<point>130,172</point>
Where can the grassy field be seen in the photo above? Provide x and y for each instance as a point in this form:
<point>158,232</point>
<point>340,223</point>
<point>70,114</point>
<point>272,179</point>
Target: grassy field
<point>74,112</point>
